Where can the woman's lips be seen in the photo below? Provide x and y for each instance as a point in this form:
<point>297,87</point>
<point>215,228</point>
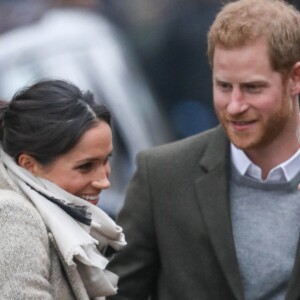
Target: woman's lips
<point>93,199</point>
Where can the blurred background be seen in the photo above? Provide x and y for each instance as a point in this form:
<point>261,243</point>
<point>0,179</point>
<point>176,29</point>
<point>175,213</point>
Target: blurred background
<point>145,59</point>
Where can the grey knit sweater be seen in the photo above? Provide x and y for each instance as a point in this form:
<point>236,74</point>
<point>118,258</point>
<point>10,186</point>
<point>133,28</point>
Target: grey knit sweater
<point>266,224</point>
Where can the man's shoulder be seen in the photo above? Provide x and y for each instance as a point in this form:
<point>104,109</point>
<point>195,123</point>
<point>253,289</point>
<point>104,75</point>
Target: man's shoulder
<point>193,144</point>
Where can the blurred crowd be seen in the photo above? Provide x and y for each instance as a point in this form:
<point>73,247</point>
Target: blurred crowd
<point>145,59</point>
<point>166,39</point>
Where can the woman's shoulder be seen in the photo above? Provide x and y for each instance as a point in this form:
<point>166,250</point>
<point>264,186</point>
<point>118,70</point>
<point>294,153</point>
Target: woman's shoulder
<point>16,208</point>
<point>13,198</point>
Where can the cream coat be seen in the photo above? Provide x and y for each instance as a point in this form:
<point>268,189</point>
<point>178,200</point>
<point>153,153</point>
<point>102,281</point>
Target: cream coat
<point>30,263</point>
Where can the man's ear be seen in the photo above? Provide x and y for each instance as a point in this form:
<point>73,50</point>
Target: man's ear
<point>295,77</point>
<point>29,163</point>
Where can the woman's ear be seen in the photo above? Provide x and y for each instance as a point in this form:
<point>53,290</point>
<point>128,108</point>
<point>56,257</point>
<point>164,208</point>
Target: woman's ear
<point>29,163</point>
<point>295,77</point>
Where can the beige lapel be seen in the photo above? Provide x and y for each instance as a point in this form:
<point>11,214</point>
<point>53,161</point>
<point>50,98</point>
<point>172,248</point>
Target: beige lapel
<point>72,274</point>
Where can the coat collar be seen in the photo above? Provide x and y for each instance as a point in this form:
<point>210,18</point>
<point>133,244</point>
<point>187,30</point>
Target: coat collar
<point>215,206</point>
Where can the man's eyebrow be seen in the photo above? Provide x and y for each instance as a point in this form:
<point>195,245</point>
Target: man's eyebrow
<point>255,82</point>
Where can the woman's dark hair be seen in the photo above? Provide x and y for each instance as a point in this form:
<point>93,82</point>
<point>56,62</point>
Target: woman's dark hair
<point>47,119</point>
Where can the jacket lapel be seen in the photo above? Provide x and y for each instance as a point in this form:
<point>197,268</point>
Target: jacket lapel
<point>215,207</point>
<point>71,273</point>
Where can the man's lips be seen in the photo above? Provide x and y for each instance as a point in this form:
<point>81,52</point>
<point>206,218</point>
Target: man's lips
<point>241,125</point>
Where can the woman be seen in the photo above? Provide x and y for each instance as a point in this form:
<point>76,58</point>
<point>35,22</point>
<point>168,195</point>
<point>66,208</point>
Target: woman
<point>55,242</point>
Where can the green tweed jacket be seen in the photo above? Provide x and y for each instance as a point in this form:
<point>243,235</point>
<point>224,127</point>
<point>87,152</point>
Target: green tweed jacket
<point>176,219</point>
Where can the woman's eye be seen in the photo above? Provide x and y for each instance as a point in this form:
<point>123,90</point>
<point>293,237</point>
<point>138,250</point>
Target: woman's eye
<point>86,167</point>
<point>107,159</point>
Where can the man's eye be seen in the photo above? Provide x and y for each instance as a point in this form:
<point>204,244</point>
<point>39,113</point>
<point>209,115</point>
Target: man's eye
<point>253,88</point>
<point>224,86</point>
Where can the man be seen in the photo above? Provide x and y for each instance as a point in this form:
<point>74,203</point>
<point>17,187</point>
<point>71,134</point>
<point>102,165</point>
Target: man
<point>217,216</point>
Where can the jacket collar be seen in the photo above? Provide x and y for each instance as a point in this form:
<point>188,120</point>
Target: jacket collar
<point>215,206</point>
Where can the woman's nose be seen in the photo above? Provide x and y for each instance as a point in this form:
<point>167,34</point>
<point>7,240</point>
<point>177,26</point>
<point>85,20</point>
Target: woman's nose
<point>101,184</point>
<point>101,180</point>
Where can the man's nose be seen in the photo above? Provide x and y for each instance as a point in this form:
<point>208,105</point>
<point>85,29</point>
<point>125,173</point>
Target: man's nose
<point>237,103</point>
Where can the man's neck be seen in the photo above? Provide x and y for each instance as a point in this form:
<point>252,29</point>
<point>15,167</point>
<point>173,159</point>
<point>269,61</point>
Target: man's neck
<point>269,157</point>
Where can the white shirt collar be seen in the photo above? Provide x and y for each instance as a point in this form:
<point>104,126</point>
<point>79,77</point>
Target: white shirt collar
<point>283,172</point>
